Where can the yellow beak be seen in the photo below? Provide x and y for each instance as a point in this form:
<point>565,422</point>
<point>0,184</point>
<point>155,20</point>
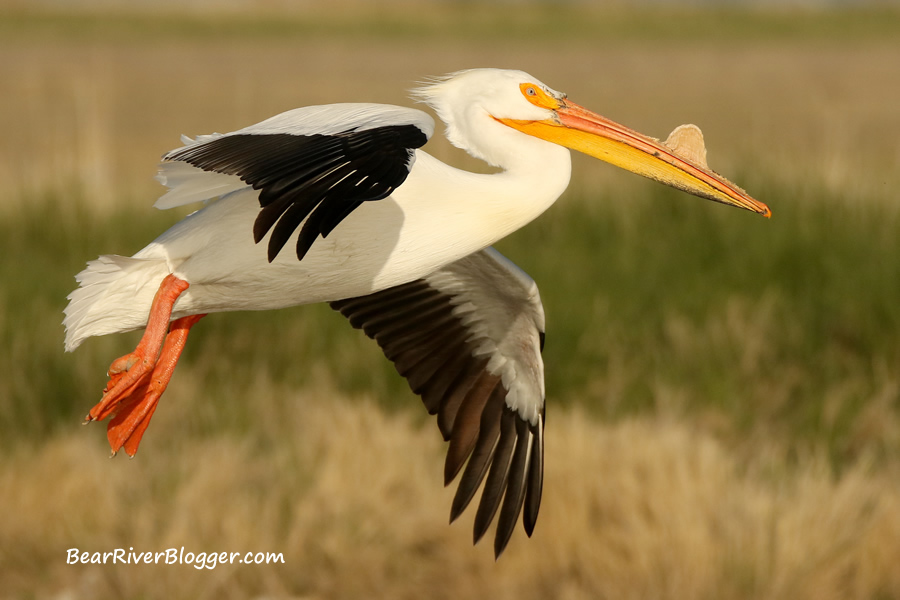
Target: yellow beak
<point>577,128</point>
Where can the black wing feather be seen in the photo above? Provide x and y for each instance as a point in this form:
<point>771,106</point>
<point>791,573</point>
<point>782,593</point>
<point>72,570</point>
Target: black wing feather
<point>315,178</point>
<point>415,326</point>
<point>515,487</point>
<point>482,454</point>
<point>498,475</point>
<point>535,482</point>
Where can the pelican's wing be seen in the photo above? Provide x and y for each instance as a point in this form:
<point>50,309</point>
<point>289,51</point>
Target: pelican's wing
<point>316,164</point>
<point>468,339</point>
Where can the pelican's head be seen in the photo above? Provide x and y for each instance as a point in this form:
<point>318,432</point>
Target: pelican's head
<point>466,101</point>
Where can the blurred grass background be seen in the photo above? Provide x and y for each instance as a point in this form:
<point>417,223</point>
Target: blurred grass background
<point>723,389</point>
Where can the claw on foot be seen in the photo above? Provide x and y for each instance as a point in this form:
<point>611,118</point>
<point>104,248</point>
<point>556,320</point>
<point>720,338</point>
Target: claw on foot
<point>137,380</point>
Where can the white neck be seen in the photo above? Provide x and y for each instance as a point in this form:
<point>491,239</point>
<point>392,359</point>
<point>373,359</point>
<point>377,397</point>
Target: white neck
<point>450,213</point>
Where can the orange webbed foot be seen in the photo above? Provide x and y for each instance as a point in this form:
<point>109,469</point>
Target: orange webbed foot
<point>138,379</point>
<point>126,374</point>
<point>132,416</point>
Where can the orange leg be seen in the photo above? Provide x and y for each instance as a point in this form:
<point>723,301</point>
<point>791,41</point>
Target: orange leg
<point>137,380</point>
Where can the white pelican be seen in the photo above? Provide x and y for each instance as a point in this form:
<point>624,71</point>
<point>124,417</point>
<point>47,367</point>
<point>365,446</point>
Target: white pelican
<point>395,240</point>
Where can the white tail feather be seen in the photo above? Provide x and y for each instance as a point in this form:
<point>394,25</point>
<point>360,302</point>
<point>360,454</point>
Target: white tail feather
<point>114,295</point>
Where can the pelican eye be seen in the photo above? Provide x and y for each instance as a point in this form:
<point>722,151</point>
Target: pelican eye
<point>538,96</point>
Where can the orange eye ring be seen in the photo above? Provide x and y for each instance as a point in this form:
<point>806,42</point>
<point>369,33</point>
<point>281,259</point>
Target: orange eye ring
<point>537,96</point>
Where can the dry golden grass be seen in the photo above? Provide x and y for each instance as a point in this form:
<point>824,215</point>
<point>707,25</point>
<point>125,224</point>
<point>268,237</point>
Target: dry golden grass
<point>649,508</point>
